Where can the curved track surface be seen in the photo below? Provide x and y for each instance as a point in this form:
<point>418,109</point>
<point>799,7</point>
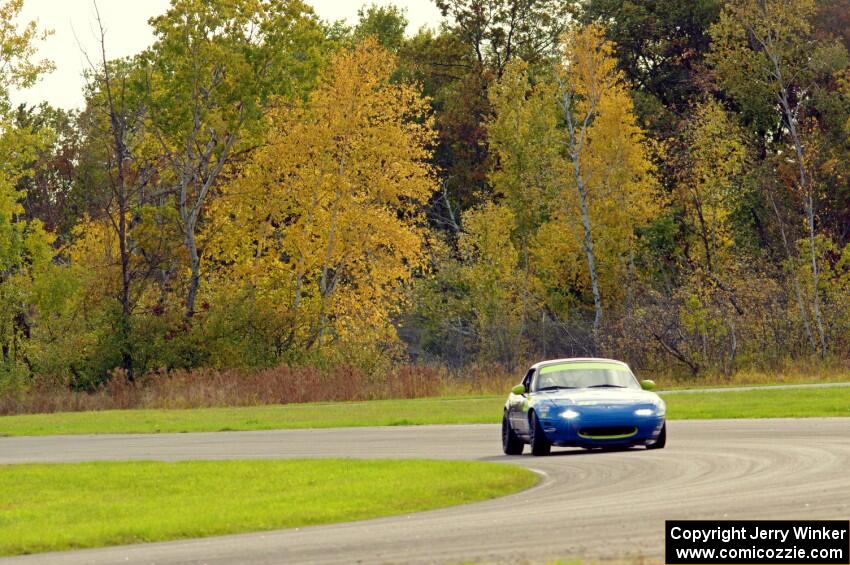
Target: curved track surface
<point>588,504</point>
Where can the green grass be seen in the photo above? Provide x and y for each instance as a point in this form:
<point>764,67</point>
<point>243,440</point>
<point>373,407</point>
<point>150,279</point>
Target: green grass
<point>746,404</point>
<point>314,415</point>
<point>765,403</point>
<point>58,507</point>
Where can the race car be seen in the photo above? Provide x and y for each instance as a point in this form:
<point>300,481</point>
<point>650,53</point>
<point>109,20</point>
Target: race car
<point>590,403</point>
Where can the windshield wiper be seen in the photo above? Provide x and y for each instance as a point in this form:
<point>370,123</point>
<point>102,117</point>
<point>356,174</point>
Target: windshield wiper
<point>611,386</point>
<point>554,387</point>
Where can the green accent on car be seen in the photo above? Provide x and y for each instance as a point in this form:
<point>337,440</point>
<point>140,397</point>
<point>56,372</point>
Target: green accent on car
<point>518,389</point>
<point>647,384</point>
<point>619,436</point>
<point>557,368</point>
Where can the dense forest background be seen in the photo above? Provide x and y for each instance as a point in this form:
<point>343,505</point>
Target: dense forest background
<point>662,181</point>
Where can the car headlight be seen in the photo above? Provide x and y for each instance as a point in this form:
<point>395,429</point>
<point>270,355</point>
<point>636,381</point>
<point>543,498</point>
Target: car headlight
<point>570,414</point>
<point>644,412</point>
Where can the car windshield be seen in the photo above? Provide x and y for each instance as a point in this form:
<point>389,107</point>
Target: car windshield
<point>585,375</point>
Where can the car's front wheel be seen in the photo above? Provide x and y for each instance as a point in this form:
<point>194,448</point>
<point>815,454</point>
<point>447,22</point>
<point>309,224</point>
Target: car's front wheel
<point>511,444</point>
<point>662,439</point>
<point>539,444</point>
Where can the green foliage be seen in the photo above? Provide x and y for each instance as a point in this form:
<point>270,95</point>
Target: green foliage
<point>17,48</point>
<point>220,62</point>
<point>748,71</point>
<point>387,24</point>
<point>500,30</point>
<point>210,76</point>
<point>833,285</point>
<point>50,183</point>
<point>524,137</point>
<point>660,45</point>
<point>25,247</point>
<point>495,288</point>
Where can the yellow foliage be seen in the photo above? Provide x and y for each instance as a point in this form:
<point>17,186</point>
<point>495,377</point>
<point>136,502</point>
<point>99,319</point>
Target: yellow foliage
<point>524,139</point>
<point>717,155</point>
<point>497,291</point>
<point>95,249</point>
<point>568,146</point>
<point>613,150</point>
<point>325,222</point>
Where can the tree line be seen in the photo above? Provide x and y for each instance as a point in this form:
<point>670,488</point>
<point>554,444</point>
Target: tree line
<point>664,181</point>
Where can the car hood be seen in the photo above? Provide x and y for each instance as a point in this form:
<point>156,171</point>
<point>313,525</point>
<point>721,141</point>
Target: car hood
<point>591,396</point>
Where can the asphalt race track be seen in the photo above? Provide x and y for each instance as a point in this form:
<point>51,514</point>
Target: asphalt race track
<point>588,504</point>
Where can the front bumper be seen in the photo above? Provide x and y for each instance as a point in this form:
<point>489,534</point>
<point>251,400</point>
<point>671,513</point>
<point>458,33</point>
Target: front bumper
<point>600,426</point>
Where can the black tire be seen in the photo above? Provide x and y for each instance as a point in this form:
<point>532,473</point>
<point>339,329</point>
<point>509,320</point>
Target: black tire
<point>539,444</point>
<point>511,444</point>
<point>662,439</point>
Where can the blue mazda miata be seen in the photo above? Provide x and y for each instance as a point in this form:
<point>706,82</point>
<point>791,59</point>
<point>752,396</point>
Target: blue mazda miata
<point>584,403</point>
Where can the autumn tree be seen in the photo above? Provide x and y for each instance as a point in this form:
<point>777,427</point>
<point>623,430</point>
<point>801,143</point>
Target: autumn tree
<point>387,24</point>
<point>709,186</point>
<point>325,223</point>
<point>573,181</point>
<point>768,61</point>
<point>18,69</point>
<point>210,75</point>
<point>25,250</point>
<point>500,30</point>
<point>457,64</point>
<point>610,168</point>
<point>524,138</point>
<point>497,290</point>
<point>50,186</point>
<point>525,142</point>
<point>709,191</point>
<point>660,46</point>
<point>114,129</point>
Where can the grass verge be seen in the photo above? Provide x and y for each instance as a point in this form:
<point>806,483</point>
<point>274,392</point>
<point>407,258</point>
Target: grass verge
<point>766,403</point>
<point>70,506</point>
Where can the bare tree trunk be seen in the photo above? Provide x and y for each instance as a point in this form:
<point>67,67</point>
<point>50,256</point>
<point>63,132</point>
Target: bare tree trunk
<point>453,224</point>
<point>588,249</point>
<point>202,166</point>
<point>789,115</point>
<point>577,135</point>
<point>808,189</point>
<point>126,354</point>
<point>795,281</point>
<point>195,271</point>
<point>117,113</point>
<point>326,285</point>
<point>120,193</point>
<point>815,276</point>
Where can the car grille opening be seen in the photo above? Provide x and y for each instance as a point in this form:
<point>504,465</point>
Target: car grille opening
<point>608,432</point>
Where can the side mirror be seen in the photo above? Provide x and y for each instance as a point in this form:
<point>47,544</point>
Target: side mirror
<point>518,389</point>
<point>647,385</point>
